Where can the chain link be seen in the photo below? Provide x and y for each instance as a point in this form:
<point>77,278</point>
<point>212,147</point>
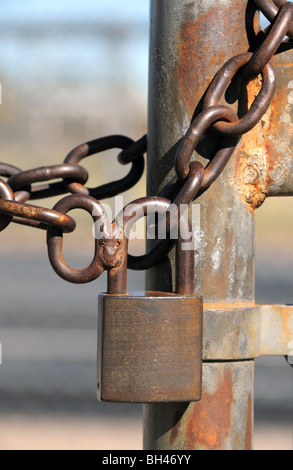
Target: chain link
<point>25,179</point>
<point>272,41</point>
<point>100,145</point>
<point>260,104</point>
<point>190,181</point>
<point>270,9</point>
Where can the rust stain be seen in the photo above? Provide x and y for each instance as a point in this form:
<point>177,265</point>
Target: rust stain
<point>249,418</point>
<point>228,305</point>
<point>263,164</point>
<point>200,56</point>
<point>288,64</point>
<point>278,140</point>
<point>191,78</point>
<point>285,314</point>
<point>210,420</point>
<point>252,178</point>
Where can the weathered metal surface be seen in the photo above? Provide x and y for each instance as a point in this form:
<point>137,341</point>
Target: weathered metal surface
<point>221,420</point>
<point>270,9</point>
<point>24,179</point>
<point>192,138</point>
<point>133,151</point>
<point>150,347</point>
<point>130,214</point>
<point>55,241</point>
<point>278,138</point>
<point>30,215</point>
<point>246,331</point>
<point>143,336</point>
<point>6,193</point>
<point>259,106</point>
<point>175,216</point>
<point>271,43</point>
<point>276,330</point>
<point>266,164</point>
<point>184,58</point>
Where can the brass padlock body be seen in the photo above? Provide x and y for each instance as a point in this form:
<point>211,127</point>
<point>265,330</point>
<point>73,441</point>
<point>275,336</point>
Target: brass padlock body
<point>150,347</point>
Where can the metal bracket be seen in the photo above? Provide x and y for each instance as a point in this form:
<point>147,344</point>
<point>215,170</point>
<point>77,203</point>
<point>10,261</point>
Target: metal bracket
<point>246,331</point>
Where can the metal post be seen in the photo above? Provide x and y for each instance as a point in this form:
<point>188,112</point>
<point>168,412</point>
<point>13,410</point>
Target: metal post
<point>190,40</point>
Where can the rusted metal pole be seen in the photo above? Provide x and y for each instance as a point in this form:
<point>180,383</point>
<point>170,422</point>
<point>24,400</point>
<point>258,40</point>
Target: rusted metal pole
<point>190,41</point>
<point>266,165</point>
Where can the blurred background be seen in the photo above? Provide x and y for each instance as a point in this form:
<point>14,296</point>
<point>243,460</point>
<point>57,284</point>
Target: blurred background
<point>72,71</point>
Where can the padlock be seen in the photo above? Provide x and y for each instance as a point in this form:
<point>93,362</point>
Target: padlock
<point>150,343</point>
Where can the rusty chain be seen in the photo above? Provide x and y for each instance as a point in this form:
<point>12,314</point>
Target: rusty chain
<point>190,181</point>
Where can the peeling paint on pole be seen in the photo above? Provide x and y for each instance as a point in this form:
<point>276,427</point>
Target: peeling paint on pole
<point>266,154</point>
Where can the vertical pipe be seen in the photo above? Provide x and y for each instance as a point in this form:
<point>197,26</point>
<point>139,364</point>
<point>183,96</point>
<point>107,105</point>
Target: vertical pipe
<point>190,41</point>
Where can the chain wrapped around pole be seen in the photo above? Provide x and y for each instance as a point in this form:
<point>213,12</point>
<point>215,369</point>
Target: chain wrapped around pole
<point>190,181</point>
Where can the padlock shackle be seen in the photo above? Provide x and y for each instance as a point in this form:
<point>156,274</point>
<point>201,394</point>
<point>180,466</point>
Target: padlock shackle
<point>117,277</point>
<point>185,261</point>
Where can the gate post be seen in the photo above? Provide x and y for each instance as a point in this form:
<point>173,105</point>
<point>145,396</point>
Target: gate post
<point>190,41</point>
